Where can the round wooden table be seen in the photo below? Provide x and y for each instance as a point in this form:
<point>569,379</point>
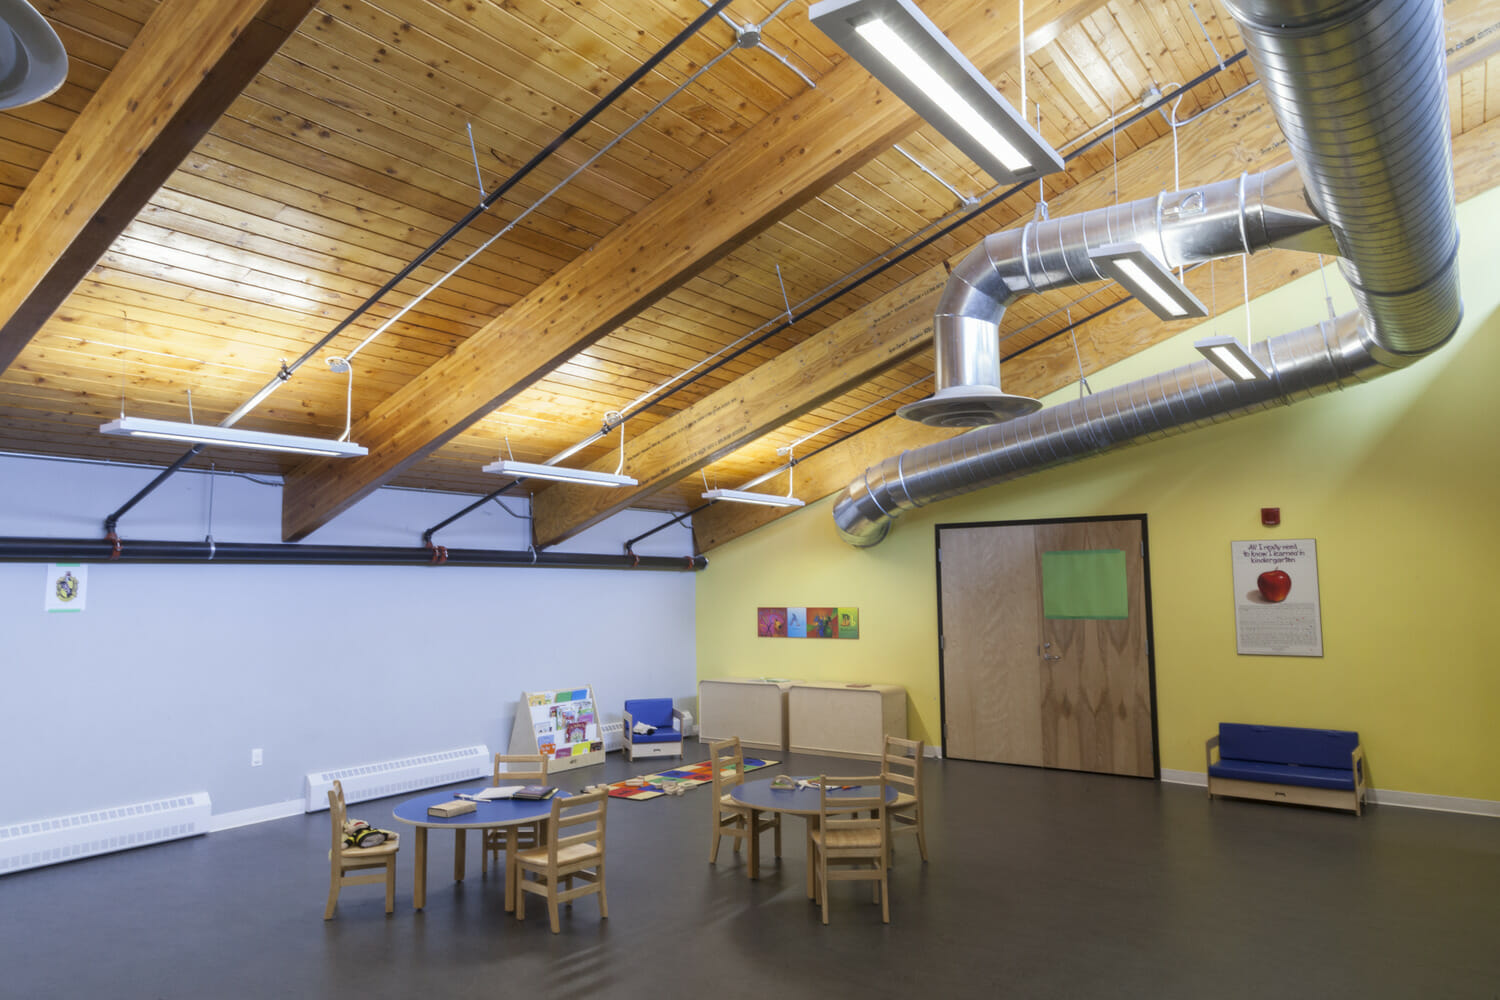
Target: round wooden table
<point>507,814</point>
<point>758,796</point>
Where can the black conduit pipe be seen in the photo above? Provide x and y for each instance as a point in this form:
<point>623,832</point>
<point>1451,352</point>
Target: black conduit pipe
<point>484,205</point>
<point>832,297</point>
<point>874,272</point>
<point>928,240</point>
<point>630,545</point>
<point>49,550</point>
<point>492,495</point>
<point>145,491</point>
<point>872,424</point>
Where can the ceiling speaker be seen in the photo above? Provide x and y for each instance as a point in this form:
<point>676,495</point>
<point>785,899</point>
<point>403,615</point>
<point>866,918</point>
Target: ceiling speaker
<point>33,63</point>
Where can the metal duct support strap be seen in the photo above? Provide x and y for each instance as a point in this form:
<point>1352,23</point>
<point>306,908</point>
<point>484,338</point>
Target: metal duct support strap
<point>1249,213</point>
<point>1359,89</point>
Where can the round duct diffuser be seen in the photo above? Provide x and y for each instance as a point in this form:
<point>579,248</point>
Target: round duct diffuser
<point>32,61</point>
<point>969,406</point>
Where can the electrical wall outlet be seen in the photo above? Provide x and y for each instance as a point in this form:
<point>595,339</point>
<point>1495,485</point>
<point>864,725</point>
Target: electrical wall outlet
<point>255,757</point>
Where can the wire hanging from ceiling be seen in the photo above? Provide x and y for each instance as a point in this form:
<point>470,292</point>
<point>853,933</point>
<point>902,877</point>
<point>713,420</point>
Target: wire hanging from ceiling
<point>463,223</point>
<point>752,36</point>
<point>941,226</point>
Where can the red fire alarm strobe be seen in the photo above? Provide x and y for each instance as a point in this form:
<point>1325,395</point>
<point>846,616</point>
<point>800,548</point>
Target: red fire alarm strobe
<point>1270,516</point>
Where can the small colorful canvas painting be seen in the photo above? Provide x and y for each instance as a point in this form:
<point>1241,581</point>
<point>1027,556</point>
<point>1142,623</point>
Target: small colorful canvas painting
<point>807,623</point>
<point>848,624</point>
<point>822,623</point>
<point>796,623</point>
<point>771,622</point>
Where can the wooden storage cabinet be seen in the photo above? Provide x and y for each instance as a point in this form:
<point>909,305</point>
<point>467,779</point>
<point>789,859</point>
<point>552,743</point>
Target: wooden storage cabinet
<point>845,720</point>
<point>754,709</point>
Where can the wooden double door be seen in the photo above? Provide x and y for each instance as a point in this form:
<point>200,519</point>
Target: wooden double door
<point>1045,644</point>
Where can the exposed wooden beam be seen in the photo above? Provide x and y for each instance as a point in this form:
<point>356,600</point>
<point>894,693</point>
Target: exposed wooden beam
<point>744,410</point>
<point>824,474</point>
<point>774,167</point>
<point>845,355</point>
<point>1476,168</point>
<point>190,60</point>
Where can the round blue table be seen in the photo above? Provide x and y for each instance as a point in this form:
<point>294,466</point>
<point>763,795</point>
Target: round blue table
<point>758,796</point>
<point>507,814</point>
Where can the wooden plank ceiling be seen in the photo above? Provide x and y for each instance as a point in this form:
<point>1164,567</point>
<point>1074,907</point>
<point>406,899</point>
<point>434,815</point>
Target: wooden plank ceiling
<point>661,269</point>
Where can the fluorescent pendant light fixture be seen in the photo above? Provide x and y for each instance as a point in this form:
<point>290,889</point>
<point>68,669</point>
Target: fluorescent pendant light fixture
<point>747,496</point>
<point>1148,279</point>
<point>230,437</point>
<point>557,473</point>
<point>1232,358</point>
<point>901,48</point>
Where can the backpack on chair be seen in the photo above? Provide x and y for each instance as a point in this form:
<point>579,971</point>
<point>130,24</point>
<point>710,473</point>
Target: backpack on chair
<point>358,833</point>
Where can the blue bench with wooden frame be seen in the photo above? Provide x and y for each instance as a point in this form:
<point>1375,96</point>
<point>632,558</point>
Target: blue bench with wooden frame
<point>1311,767</point>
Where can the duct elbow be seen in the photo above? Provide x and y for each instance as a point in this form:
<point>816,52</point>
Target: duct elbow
<point>966,340</point>
<point>859,519</point>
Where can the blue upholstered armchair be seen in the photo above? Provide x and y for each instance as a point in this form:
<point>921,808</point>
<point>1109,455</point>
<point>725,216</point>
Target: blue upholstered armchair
<point>658,714</point>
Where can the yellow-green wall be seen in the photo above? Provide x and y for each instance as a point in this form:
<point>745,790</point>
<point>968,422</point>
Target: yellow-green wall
<point>1397,481</point>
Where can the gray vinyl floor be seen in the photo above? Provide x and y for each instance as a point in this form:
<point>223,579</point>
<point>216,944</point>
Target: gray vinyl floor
<point>1040,884</point>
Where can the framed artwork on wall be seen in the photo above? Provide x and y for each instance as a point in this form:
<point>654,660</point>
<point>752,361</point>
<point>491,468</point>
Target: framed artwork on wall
<point>1277,611</point>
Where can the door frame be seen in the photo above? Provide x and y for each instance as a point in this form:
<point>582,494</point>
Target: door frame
<point>937,535</point>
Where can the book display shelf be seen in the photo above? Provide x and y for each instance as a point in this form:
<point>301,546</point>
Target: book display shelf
<point>561,725</point>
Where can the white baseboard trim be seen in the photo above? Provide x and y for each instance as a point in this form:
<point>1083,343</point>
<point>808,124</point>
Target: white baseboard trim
<point>934,752</point>
<point>1437,803</point>
<point>1374,796</point>
<point>255,814</point>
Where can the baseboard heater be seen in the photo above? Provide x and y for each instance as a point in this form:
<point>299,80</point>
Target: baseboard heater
<point>102,831</point>
<point>392,777</point>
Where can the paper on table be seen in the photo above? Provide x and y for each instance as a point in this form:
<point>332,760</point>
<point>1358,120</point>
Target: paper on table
<point>497,792</point>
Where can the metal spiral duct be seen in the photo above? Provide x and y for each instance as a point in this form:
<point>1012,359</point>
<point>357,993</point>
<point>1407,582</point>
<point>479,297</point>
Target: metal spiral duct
<point>1249,213</point>
<point>1359,89</point>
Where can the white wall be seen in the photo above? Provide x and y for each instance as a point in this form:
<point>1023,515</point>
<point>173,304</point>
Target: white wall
<point>174,672</point>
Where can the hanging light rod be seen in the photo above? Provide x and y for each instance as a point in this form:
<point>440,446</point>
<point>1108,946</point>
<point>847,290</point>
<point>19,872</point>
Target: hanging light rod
<point>747,496</point>
<point>1231,357</point>
<point>901,48</point>
<point>558,473</point>
<point>1148,279</point>
<point>230,437</point>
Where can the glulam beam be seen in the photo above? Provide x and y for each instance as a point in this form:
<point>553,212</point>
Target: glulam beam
<point>771,169</point>
<point>187,64</point>
<point>1104,342</point>
<point>845,355</point>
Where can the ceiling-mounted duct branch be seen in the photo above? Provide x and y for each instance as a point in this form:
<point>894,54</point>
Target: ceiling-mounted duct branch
<point>1303,364</point>
<point>1244,215</point>
<point>1359,90</point>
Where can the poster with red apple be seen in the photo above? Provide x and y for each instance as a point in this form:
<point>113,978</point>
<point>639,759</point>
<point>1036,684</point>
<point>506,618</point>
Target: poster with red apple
<point>1276,607</point>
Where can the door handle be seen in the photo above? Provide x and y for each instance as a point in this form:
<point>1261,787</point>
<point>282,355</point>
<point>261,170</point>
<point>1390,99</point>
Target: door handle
<point>1045,655</point>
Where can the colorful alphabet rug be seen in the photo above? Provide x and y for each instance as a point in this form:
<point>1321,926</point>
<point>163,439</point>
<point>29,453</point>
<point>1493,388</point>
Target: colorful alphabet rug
<point>651,786</point>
